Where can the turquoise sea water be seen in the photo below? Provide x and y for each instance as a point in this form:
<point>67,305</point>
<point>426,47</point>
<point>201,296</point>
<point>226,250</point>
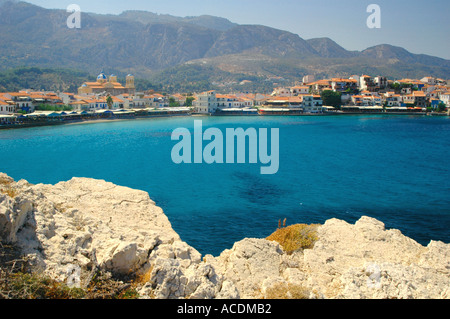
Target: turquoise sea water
<point>393,168</point>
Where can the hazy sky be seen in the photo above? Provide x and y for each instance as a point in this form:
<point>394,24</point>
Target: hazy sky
<point>417,25</point>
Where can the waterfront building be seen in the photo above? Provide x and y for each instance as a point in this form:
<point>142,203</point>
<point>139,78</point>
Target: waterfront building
<point>253,99</point>
<point>420,99</point>
<point>434,103</point>
<point>233,101</point>
<point>6,108</point>
<point>95,104</point>
<point>79,105</point>
<point>244,102</point>
<point>312,103</point>
<point>21,101</point>
<point>445,98</point>
<point>47,98</point>
<point>366,98</point>
<point>306,103</point>
<point>26,101</point>
<point>284,102</point>
<point>158,101</point>
<point>408,99</point>
<point>139,101</point>
<point>206,103</point>
<point>227,101</point>
<point>417,98</point>
<point>392,99</point>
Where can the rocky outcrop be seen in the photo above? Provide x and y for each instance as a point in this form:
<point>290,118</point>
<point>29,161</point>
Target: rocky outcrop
<point>84,225</point>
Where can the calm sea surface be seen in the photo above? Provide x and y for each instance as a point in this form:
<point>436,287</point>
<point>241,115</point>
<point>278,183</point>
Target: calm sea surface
<point>393,168</point>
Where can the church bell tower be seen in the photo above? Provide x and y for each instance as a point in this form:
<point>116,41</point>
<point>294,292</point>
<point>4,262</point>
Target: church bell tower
<point>130,84</point>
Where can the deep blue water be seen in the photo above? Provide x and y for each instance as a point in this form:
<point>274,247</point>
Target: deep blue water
<point>393,168</point>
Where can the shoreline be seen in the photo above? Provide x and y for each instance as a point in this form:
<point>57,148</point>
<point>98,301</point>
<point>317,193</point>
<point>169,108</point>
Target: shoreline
<point>106,120</point>
<point>96,121</point>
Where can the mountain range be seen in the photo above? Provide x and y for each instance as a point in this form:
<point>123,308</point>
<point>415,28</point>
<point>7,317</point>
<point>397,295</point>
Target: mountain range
<point>168,49</point>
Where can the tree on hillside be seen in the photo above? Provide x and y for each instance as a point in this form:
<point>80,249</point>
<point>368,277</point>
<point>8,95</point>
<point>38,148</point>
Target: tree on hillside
<point>331,98</point>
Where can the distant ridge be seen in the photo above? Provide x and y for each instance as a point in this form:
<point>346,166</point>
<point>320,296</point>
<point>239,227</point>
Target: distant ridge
<point>5,1</point>
<point>327,48</point>
<point>150,45</point>
<point>387,52</point>
<point>206,21</point>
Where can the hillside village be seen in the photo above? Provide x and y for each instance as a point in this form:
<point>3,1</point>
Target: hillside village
<point>108,98</point>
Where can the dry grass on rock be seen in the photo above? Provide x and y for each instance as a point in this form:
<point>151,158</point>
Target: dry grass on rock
<point>295,237</point>
<point>287,291</point>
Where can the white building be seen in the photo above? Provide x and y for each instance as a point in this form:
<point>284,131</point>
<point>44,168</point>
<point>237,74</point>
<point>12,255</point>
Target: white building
<point>366,82</point>
<point>342,85</point>
<point>67,98</point>
<point>428,80</point>
<point>381,82</point>
<point>89,103</point>
<point>393,100</point>
<point>22,101</point>
<point>445,97</point>
<point>299,90</point>
<point>79,106</point>
<point>227,101</point>
<point>312,104</point>
<point>408,99</point>
<point>6,108</point>
<point>282,92</point>
<point>206,103</point>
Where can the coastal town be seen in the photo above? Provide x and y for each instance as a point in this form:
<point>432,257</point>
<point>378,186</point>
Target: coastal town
<point>106,98</point>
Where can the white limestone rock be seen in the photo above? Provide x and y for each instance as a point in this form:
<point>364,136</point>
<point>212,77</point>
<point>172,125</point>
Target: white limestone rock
<point>73,221</point>
<point>179,272</point>
<point>92,224</point>
<point>249,263</point>
<point>367,261</point>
